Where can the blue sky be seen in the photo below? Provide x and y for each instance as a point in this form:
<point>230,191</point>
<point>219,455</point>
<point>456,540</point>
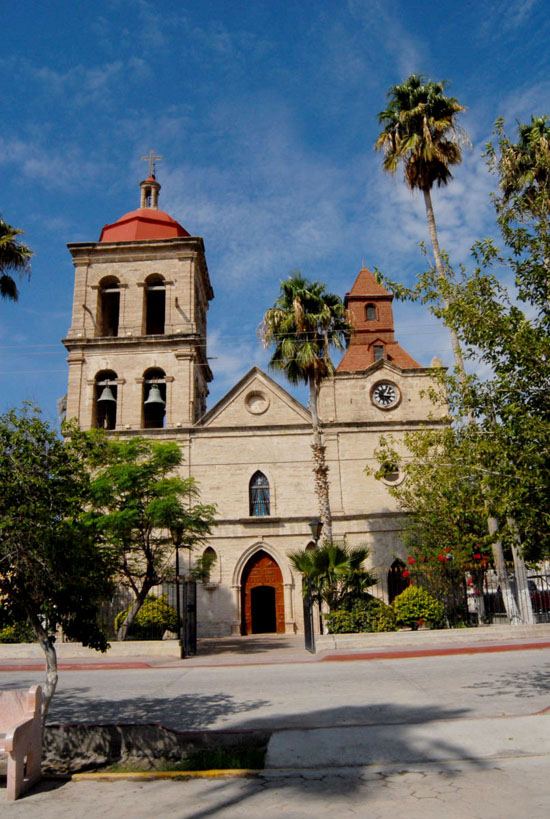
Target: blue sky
<point>265,114</point>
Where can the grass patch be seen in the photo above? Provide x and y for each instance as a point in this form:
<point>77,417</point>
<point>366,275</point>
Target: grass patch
<point>204,760</point>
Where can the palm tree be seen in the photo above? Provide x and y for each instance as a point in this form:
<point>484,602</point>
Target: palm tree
<point>524,166</point>
<point>335,572</point>
<point>421,132</point>
<point>14,256</point>
<point>303,325</point>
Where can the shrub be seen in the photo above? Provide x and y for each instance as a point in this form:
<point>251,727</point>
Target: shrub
<point>17,633</point>
<point>14,626</point>
<point>416,606</point>
<point>152,620</point>
<point>366,614</point>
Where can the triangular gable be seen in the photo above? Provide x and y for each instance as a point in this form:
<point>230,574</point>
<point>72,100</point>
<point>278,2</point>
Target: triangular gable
<point>256,400</point>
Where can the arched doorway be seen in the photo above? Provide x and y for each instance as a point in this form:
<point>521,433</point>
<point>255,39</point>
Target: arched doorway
<point>396,582</point>
<point>262,596</point>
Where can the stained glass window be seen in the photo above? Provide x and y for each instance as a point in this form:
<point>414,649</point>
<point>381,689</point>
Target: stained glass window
<point>258,491</point>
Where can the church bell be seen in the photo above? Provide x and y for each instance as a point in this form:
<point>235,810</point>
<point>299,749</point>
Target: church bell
<point>106,395</point>
<point>154,396</point>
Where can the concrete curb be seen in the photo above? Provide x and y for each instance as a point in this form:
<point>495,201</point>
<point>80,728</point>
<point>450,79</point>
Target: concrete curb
<point>136,776</point>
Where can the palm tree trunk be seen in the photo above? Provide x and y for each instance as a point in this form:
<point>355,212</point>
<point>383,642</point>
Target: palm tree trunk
<point>320,468</point>
<point>457,353</point>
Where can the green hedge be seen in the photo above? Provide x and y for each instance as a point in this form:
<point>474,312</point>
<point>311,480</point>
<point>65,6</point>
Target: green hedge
<point>368,614</point>
<point>17,633</point>
<point>152,620</point>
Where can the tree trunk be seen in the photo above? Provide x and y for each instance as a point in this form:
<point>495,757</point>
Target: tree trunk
<point>320,468</point>
<point>457,353</point>
<point>122,632</point>
<point>47,647</point>
<point>522,585</point>
<point>502,576</point>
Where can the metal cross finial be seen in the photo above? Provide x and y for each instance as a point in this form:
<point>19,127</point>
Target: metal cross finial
<point>152,159</point>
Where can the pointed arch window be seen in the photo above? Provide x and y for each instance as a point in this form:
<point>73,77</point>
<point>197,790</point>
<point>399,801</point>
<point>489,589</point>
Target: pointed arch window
<point>109,306</point>
<point>258,493</point>
<point>105,400</point>
<point>155,305</point>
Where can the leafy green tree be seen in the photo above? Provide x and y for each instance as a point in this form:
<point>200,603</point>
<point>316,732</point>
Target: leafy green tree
<point>302,326</point>
<point>51,569</point>
<point>511,406</point>
<point>421,133</point>
<point>138,497</point>
<point>14,257</point>
<point>334,571</point>
<point>445,530</point>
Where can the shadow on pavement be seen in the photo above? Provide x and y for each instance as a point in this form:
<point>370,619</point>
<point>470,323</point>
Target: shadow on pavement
<point>247,645</point>
<point>529,684</point>
<point>195,711</point>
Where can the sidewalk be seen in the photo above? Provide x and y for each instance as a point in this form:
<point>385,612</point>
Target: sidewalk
<point>271,649</point>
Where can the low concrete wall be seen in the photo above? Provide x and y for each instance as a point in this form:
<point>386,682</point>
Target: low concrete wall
<point>130,648</point>
<point>69,749</point>
<point>427,638</point>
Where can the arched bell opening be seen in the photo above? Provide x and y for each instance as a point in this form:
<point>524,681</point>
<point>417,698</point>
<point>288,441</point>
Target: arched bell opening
<point>262,596</point>
<point>155,305</point>
<point>154,399</point>
<point>108,309</point>
<point>370,312</point>
<point>105,400</point>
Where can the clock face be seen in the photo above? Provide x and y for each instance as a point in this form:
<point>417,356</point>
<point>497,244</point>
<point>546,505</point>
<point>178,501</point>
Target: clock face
<point>385,395</point>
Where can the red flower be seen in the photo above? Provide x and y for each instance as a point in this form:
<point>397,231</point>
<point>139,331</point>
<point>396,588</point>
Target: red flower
<point>422,559</point>
<point>406,573</point>
<point>477,556</point>
<point>470,582</point>
<point>447,549</point>
<point>441,558</point>
<point>411,560</point>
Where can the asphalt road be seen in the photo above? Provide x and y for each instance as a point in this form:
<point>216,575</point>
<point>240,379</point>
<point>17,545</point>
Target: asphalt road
<point>305,695</point>
<point>459,736</point>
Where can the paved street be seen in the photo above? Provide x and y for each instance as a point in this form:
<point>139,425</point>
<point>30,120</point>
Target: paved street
<point>504,789</point>
<point>463,736</point>
<point>309,695</point>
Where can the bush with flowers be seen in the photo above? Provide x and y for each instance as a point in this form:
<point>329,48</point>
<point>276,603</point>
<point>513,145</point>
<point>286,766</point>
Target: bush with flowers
<point>415,607</point>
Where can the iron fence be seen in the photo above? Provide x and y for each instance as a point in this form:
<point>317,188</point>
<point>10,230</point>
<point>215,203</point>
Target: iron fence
<point>470,596</point>
<point>123,597</point>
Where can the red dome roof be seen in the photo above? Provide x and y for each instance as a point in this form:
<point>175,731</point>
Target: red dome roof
<point>144,223</point>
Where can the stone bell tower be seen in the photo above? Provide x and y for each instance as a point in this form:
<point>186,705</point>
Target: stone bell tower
<point>137,343</point>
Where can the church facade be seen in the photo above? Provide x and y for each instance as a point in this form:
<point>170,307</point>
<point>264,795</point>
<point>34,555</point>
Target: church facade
<point>138,366</point>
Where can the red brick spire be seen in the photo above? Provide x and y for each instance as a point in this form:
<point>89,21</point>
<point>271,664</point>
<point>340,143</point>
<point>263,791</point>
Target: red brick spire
<point>369,307</point>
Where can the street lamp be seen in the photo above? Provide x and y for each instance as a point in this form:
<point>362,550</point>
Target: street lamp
<point>177,535</point>
<point>316,525</point>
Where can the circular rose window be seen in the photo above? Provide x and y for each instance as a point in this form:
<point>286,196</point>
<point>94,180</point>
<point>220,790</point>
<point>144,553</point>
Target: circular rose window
<point>256,402</point>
